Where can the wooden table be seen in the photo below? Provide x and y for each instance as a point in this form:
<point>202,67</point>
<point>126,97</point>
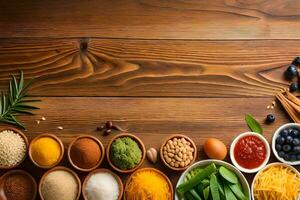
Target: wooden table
<point>153,67</point>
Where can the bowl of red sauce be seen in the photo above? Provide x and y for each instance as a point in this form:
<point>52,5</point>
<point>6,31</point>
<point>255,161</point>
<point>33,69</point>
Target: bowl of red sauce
<point>250,152</point>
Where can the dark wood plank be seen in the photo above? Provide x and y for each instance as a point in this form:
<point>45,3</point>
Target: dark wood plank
<point>193,19</point>
<point>121,67</point>
<point>151,119</point>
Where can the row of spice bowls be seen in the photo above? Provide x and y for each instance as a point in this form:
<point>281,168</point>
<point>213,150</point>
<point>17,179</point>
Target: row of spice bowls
<point>86,153</point>
<point>61,181</point>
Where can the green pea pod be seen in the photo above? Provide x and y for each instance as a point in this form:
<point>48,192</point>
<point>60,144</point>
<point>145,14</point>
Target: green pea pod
<point>206,193</point>
<point>228,193</point>
<point>214,188</point>
<point>188,196</point>
<point>194,181</point>
<point>195,195</point>
<point>228,175</point>
<point>237,191</point>
<point>220,185</point>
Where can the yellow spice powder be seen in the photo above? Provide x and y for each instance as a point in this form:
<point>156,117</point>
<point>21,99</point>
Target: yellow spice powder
<point>45,151</point>
<point>148,185</point>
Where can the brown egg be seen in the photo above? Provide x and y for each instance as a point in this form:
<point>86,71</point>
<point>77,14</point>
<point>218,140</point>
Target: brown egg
<point>215,149</point>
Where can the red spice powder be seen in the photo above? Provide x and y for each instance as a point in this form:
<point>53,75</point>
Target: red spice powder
<point>85,153</point>
<point>18,187</point>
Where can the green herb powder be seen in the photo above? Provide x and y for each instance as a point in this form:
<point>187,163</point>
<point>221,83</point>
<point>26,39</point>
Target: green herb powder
<point>125,153</point>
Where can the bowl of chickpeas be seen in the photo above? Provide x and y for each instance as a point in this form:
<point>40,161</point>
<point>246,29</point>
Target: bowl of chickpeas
<point>178,152</point>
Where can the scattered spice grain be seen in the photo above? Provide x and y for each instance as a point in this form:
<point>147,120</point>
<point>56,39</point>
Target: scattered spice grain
<point>12,149</point>
<point>85,153</point>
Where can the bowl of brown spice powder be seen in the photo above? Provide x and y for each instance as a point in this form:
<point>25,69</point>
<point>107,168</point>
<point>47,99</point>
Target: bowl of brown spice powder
<point>86,153</point>
<point>17,185</point>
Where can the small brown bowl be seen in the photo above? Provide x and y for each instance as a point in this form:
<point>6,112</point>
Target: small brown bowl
<point>102,149</point>
<point>121,187</point>
<point>25,140</point>
<point>141,145</point>
<point>22,172</point>
<point>56,169</point>
<point>152,169</point>
<point>56,139</point>
<point>178,136</point>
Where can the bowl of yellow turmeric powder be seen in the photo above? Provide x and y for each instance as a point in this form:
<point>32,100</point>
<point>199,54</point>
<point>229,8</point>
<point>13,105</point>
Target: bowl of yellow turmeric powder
<point>46,151</point>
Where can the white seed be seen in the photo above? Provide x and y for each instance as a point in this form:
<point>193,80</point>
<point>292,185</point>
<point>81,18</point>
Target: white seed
<point>38,121</point>
<point>43,118</point>
<point>60,128</point>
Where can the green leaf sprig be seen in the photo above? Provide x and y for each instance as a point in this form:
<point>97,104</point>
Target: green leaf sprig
<point>253,125</point>
<point>15,102</point>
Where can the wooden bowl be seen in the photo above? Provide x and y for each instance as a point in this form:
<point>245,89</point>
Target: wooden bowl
<point>58,168</point>
<point>141,145</point>
<point>22,172</point>
<point>102,149</point>
<point>145,169</point>
<point>25,140</point>
<point>178,136</point>
<point>56,139</point>
<point>121,189</point>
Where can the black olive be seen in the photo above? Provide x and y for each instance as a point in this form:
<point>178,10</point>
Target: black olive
<point>289,139</point>
<point>296,149</point>
<point>286,148</point>
<point>295,133</point>
<point>296,61</point>
<point>281,154</point>
<point>278,147</point>
<point>270,118</point>
<point>284,133</point>
<point>296,142</point>
<point>294,87</point>
<point>293,157</point>
<point>287,157</point>
<point>280,140</point>
<point>291,72</point>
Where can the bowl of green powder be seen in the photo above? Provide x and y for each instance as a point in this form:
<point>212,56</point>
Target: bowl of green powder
<point>125,153</point>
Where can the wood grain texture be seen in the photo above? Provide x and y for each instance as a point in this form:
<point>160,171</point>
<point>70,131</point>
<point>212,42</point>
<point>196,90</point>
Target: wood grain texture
<point>121,67</point>
<point>191,19</point>
<point>151,119</point>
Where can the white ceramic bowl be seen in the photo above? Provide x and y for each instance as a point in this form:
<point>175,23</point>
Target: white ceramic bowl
<point>272,164</point>
<point>203,163</point>
<point>254,170</point>
<point>274,138</point>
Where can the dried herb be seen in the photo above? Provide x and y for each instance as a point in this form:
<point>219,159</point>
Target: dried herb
<point>253,125</point>
<point>16,101</point>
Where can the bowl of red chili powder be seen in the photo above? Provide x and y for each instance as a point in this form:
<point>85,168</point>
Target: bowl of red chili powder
<point>85,153</point>
<point>17,185</point>
<point>250,152</point>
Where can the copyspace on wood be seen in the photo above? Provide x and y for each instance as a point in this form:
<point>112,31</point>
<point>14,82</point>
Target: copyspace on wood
<point>122,67</point>
<point>192,19</point>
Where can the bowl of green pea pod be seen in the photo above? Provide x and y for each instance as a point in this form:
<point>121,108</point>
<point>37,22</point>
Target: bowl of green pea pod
<point>212,180</point>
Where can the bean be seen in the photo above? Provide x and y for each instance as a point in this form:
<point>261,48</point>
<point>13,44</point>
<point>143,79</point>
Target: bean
<point>176,150</point>
<point>176,165</point>
<point>182,164</point>
<point>190,158</point>
<point>171,155</point>
<point>172,164</point>
<point>184,157</point>
<point>165,148</point>
<point>172,146</point>
<point>184,150</point>
<point>180,154</point>
<point>170,142</point>
<point>168,160</point>
<point>187,162</point>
